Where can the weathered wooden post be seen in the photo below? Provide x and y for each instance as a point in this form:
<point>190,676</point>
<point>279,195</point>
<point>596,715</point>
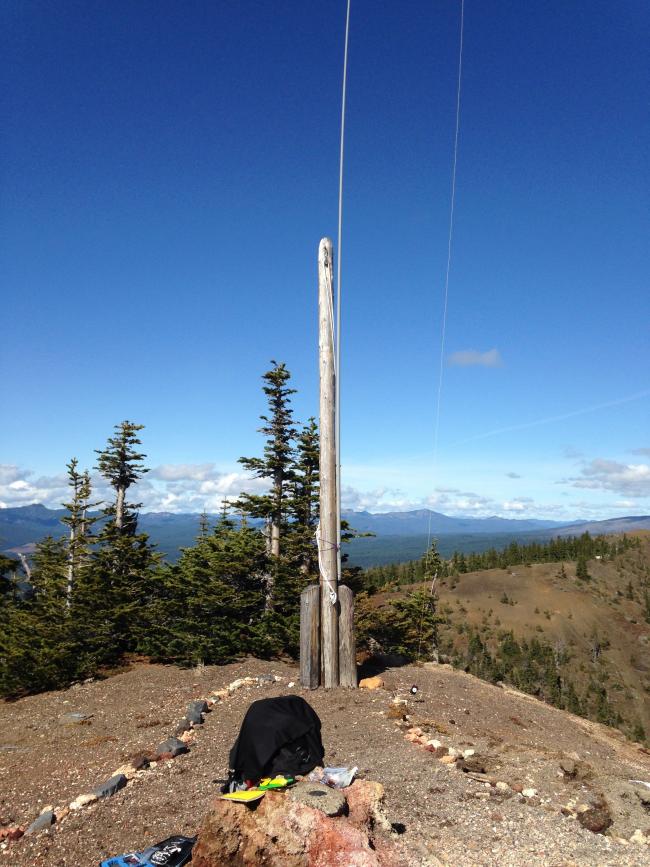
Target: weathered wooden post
<point>310,637</point>
<point>327,541</point>
<point>327,646</point>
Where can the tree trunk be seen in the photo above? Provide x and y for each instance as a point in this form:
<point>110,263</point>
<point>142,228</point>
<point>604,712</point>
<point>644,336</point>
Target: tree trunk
<point>119,507</point>
<point>68,591</point>
<point>275,540</point>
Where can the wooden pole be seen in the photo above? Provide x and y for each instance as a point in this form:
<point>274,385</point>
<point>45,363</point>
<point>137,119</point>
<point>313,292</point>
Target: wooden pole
<point>347,648</point>
<point>327,542</point>
<point>310,637</point>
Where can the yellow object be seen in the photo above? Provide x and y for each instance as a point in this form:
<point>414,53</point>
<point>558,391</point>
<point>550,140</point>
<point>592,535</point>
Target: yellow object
<point>279,782</point>
<point>247,796</point>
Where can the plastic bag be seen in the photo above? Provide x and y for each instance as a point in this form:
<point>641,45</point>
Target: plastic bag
<point>337,778</point>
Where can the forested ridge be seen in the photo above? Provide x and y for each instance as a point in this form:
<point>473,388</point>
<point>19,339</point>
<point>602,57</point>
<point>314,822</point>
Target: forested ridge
<point>99,593</point>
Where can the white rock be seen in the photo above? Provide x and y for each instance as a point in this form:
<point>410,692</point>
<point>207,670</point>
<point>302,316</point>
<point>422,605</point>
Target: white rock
<point>291,684</point>
<point>83,800</point>
<point>434,743</point>
<point>529,793</point>
<point>468,753</point>
<point>639,837</point>
<point>501,786</point>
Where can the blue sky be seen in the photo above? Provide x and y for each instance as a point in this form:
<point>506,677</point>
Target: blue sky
<point>168,169</point>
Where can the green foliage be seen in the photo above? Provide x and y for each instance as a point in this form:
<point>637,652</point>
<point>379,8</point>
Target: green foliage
<point>563,548</point>
<point>582,572</point>
<point>407,625</point>
<point>120,463</point>
<point>277,463</point>
<point>37,648</point>
<point>207,604</point>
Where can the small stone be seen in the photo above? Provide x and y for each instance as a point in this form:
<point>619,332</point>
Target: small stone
<point>110,787</point>
<point>568,767</point>
<point>138,761</point>
<point>82,801</point>
<point>501,786</point>
<point>12,834</point>
<point>529,793</point>
<point>447,760</point>
<point>371,683</point>
<point>291,684</point>
<point>127,771</point>
<point>468,753</point>
<point>395,712</point>
<point>195,717</point>
<point>74,719</point>
<point>639,837</point>
<point>266,678</point>
<point>173,746</point>
<point>596,818</point>
<point>199,705</point>
<point>43,821</point>
<point>183,726</point>
<point>61,813</point>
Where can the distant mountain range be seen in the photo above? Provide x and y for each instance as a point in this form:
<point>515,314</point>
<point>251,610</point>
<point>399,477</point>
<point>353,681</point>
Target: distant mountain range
<point>398,535</point>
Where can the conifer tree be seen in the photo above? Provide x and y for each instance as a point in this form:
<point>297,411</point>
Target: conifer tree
<point>582,572</point>
<point>304,505</point>
<point>79,523</point>
<point>276,465</point>
<point>117,589</point>
<point>121,465</point>
<point>210,602</point>
<point>37,651</point>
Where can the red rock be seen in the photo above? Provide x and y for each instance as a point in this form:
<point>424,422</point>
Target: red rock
<point>14,833</point>
<point>282,833</point>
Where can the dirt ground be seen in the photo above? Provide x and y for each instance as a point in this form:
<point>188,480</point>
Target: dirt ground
<point>443,815</point>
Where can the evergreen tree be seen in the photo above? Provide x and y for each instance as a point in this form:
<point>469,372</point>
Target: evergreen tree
<point>413,627</point>
<point>37,650</point>
<point>582,573</point>
<point>304,503</point>
<point>80,524</point>
<point>121,465</point>
<point>114,595</point>
<point>209,604</point>
<point>276,465</point>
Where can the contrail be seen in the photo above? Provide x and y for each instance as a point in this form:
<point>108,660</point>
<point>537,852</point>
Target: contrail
<point>554,418</point>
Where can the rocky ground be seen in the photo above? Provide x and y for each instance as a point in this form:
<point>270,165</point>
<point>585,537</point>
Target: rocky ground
<point>535,777</point>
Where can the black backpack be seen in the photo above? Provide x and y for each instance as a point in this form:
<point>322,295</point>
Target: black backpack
<point>278,736</point>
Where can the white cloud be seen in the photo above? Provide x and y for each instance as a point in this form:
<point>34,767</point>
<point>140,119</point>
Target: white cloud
<point>642,451</point>
<point>9,473</point>
<point>629,480</point>
<point>176,472</point>
<point>471,357</point>
<point>513,475</point>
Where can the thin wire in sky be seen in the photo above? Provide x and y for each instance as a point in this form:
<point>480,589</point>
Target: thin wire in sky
<point>337,395</point>
<point>450,236</point>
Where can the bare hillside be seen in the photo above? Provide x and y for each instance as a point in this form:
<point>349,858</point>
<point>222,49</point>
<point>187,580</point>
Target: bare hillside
<point>599,625</point>
<point>535,768</point>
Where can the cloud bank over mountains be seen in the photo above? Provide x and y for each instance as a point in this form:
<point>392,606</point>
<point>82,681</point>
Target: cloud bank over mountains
<point>203,486</point>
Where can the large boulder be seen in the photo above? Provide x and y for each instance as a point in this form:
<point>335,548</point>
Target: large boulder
<point>284,831</point>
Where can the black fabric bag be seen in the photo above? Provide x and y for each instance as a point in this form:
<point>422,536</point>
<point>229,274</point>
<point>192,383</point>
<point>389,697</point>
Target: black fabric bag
<point>278,736</point>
